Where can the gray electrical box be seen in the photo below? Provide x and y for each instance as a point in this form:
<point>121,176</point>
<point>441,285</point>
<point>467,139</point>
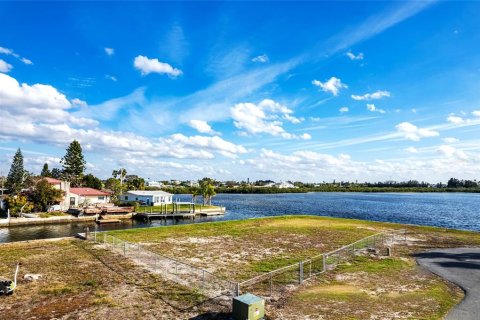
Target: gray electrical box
<point>248,307</point>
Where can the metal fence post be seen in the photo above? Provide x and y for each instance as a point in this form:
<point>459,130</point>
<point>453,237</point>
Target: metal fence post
<point>300,272</point>
<point>124,249</point>
<point>405,235</point>
<point>271,285</point>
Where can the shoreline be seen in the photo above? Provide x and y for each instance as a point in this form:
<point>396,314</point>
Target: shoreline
<point>13,222</point>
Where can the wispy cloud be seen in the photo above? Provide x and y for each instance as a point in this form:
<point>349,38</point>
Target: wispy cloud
<point>261,58</point>
<point>371,96</point>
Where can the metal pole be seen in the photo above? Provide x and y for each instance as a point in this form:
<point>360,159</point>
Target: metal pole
<point>300,272</point>
<point>271,285</point>
<point>124,249</point>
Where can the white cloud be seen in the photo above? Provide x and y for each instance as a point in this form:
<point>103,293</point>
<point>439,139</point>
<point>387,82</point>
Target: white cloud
<point>201,126</point>
<point>353,56</point>
<point>263,118</point>
<point>110,77</point>
<point>453,152</point>
<point>40,114</point>
<point>4,66</point>
<point>109,51</point>
<point>147,66</point>
<point>26,61</point>
<point>450,140</point>
<point>372,96</point>
<point>455,119</point>
<point>10,52</point>
<point>343,109</point>
<point>261,58</point>
<point>332,85</point>
<point>411,150</point>
<point>476,113</point>
<point>412,132</point>
<point>79,103</point>
<point>371,107</point>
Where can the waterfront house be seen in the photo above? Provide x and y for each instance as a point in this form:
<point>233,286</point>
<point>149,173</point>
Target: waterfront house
<point>149,198</point>
<point>79,197</point>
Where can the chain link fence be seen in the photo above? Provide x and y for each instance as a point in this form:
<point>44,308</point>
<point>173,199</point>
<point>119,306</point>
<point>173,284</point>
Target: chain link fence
<point>279,281</point>
<point>272,284</point>
<point>187,275</point>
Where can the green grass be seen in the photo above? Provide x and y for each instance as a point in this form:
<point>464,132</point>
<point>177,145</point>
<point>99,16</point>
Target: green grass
<point>364,264</point>
<point>52,214</point>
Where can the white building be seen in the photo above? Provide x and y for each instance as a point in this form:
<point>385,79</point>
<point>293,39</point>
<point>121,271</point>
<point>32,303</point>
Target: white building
<point>78,197</point>
<point>155,184</point>
<point>87,196</point>
<point>285,185</point>
<point>149,198</point>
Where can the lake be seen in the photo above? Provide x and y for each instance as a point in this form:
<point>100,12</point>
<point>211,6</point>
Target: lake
<point>449,210</point>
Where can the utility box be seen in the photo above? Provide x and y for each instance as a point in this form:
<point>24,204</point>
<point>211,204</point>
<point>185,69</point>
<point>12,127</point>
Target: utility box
<point>248,307</point>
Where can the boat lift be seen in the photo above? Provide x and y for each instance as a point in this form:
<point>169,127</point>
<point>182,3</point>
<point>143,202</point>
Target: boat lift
<point>7,286</point>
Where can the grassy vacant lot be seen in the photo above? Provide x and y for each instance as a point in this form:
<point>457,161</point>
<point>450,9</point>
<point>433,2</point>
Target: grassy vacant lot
<point>88,282</point>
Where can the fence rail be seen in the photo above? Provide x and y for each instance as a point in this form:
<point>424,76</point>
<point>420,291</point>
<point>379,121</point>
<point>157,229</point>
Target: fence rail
<point>294,274</point>
<point>265,284</point>
<point>170,268</point>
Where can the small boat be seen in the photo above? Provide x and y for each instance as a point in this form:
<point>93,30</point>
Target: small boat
<point>104,221</point>
<point>7,286</point>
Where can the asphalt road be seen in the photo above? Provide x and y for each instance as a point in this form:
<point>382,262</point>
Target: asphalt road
<point>462,267</point>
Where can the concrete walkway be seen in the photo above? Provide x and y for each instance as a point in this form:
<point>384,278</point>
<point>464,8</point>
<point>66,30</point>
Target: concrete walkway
<point>462,267</point>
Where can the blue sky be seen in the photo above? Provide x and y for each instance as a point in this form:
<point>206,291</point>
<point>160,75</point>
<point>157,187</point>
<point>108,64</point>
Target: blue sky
<point>309,91</point>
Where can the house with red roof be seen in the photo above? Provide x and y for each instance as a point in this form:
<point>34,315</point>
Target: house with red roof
<point>78,197</point>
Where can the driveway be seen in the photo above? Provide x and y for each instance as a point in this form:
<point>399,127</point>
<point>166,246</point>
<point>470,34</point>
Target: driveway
<point>462,267</point>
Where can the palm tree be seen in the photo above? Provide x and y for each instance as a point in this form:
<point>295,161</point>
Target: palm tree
<point>209,193</point>
<point>195,193</point>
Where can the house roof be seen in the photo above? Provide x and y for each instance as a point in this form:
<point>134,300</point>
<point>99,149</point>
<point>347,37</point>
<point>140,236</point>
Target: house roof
<point>52,180</point>
<point>88,192</point>
<point>148,193</point>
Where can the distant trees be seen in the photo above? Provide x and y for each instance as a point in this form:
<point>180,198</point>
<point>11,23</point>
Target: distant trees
<point>73,164</point>
<point>120,175</point>
<point>45,171</point>
<point>16,175</point>
<point>136,183</point>
<point>456,183</point>
<point>56,173</point>
<point>90,181</point>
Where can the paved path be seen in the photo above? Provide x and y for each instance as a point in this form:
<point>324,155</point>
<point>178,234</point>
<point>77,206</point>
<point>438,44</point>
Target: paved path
<point>462,267</point>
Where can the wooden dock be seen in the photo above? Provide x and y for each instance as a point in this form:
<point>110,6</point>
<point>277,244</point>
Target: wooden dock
<point>147,216</point>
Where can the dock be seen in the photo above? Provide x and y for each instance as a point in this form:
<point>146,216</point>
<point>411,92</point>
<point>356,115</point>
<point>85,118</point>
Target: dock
<point>147,216</point>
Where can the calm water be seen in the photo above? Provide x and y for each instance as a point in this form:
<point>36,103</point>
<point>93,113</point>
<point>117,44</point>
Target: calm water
<point>451,210</point>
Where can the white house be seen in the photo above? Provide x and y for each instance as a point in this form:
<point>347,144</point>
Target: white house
<point>87,196</point>
<point>149,198</point>
<point>156,184</point>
